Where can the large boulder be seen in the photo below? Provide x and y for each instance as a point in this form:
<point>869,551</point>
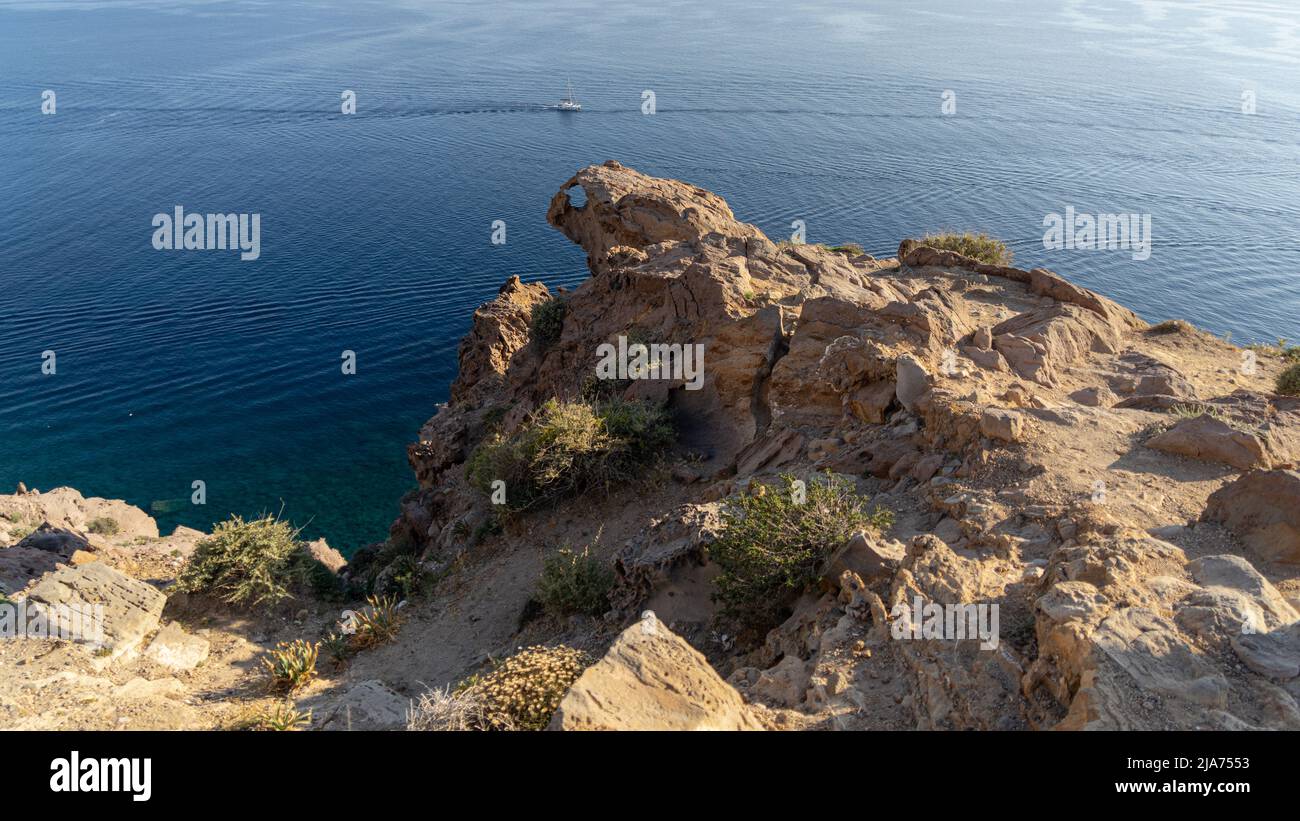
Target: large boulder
<point>131,608</point>
<point>651,679</point>
<point>1207,438</point>
<point>326,555</point>
<point>1002,424</point>
<point>1263,509</point>
<point>869,557</point>
<point>1039,343</point>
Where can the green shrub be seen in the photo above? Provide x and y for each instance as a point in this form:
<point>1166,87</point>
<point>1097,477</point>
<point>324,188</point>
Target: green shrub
<point>491,526</point>
<point>291,665</point>
<point>493,416</point>
<point>575,583</point>
<point>772,545</point>
<point>979,247</point>
<point>1288,382</point>
<point>567,447</point>
<point>547,321</point>
<point>410,576</point>
<point>253,562</point>
<point>848,248</point>
<point>525,690</point>
<point>104,526</point>
<point>639,430</point>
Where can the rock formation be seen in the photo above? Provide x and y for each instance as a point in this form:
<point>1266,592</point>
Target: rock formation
<point>1124,496</point>
<point>651,679</point>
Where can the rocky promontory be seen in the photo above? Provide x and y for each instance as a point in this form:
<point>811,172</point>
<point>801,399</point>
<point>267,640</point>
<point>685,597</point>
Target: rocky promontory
<point>1121,496</point>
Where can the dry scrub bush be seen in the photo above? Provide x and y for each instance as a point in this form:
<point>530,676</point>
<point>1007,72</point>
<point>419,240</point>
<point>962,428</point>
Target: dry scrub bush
<point>1171,326</point>
<point>574,582</point>
<point>104,526</point>
<point>525,690</point>
<point>547,321</point>
<point>1288,382</point>
<point>979,247</point>
<point>772,545</point>
<point>250,562</point>
<point>448,710</point>
<point>568,447</point>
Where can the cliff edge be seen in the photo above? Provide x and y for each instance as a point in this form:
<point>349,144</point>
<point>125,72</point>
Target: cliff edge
<point>1120,499</point>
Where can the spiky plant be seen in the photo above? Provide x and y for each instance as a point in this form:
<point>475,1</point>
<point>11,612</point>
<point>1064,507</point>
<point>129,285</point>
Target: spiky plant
<point>377,623</point>
<point>291,665</point>
<point>281,718</point>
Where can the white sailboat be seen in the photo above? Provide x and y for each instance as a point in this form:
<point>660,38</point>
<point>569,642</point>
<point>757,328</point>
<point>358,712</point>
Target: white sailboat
<point>569,103</point>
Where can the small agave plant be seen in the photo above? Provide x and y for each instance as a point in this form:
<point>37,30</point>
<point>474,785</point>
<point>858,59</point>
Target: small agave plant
<point>292,665</point>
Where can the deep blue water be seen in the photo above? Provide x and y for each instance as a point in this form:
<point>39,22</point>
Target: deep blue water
<point>177,366</point>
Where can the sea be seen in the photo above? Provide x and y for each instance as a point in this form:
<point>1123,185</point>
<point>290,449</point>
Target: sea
<point>148,374</point>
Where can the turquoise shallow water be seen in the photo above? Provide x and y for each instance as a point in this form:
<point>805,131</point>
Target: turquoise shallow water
<point>376,226</point>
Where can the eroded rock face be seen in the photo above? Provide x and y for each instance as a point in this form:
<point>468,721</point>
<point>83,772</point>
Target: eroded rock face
<point>498,340</point>
<point>797,339</point>
<point>131,608</point>
<point>1003,413</point>
<point>624,208</point>
<point>1123,634</point>
<point>959,683</point>
<point>40,552</point>
<point>1263,507</point>
<point>499,332</point>
<point>670,263</point>
<point>65,508</point>
<point>651,679</point>
<point>41,531</point>
<point>1037,344</point>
